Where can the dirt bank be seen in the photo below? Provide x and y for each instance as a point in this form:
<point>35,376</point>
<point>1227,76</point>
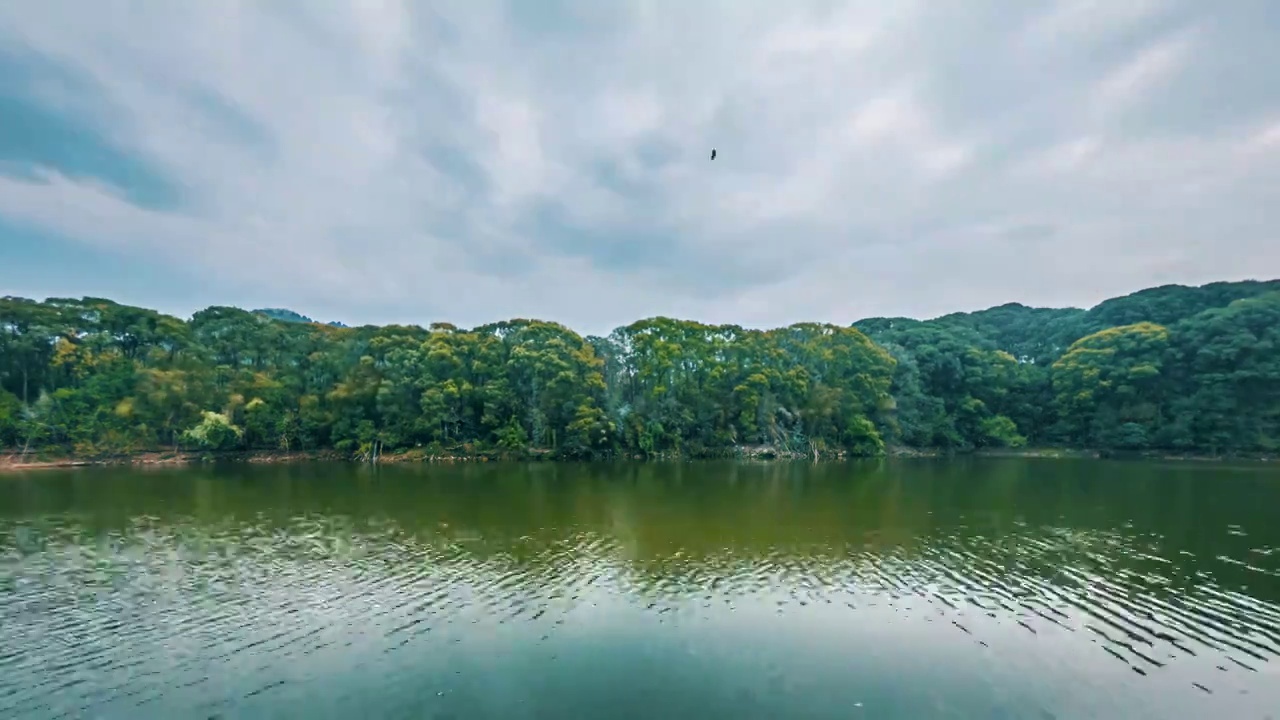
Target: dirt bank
<point>14,462</point>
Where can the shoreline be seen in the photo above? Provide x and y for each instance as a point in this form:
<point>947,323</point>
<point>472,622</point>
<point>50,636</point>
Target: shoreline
<point>14,463</point>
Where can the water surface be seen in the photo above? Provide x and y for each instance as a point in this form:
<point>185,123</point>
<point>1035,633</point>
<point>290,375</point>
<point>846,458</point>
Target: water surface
<point>897,589</point>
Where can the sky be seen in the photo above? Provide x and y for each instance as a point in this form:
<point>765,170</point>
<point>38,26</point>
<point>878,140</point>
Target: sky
<point>470,161</point>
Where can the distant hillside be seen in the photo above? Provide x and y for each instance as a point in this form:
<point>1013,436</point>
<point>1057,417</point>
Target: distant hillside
<point>283,314</point>
<point>1044,334</point>
<point>286,315</point>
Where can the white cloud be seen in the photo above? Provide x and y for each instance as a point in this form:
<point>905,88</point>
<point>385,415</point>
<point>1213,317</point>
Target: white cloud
<point>1070,155</point>
<point>473,161</point>
<point>1267,139</point>
<point>1070,21</point>
<point>1148,67</point>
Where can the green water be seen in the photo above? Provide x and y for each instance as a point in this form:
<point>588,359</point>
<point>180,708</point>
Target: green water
<point>898,589</point>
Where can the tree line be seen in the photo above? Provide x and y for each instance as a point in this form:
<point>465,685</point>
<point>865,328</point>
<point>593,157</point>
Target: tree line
<point>1188,369</point>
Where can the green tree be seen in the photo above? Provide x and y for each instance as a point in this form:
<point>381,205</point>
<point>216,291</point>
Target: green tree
<point>213,432</point>
<point>1172,367</point>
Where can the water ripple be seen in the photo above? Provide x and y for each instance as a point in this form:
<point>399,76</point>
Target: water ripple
<point>185,613</point>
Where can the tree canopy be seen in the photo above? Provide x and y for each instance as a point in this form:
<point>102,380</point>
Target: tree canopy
<point>1174,367</point>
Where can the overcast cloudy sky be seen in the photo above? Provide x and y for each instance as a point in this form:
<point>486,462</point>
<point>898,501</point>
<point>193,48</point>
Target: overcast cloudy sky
<point>476,160</point>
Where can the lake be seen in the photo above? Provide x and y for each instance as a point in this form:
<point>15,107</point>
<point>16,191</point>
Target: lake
<point>967,588</point>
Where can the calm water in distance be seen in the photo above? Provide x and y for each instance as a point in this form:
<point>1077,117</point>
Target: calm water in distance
<point>911,589</point>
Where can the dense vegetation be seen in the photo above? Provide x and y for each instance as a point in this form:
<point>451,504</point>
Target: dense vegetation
<point>1174,368</point>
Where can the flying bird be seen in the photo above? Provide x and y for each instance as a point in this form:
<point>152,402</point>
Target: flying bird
<point>713,153</point>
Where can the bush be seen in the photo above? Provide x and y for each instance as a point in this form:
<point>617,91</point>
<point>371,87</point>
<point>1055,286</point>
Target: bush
<point>213,432</point>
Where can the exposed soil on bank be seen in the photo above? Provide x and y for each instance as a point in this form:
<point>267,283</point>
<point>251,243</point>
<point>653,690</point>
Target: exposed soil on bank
<point>16,462</point>
<point>1158,455</point>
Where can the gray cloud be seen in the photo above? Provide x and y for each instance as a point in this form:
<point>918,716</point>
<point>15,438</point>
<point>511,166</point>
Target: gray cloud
<point>478,160</point>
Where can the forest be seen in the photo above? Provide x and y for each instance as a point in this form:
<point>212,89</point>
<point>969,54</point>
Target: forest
<point>1173,368</point>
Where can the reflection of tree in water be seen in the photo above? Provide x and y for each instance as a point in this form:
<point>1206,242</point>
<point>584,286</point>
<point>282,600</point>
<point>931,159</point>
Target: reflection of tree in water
<point>1119,554</point>
<point>1102,582</point>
